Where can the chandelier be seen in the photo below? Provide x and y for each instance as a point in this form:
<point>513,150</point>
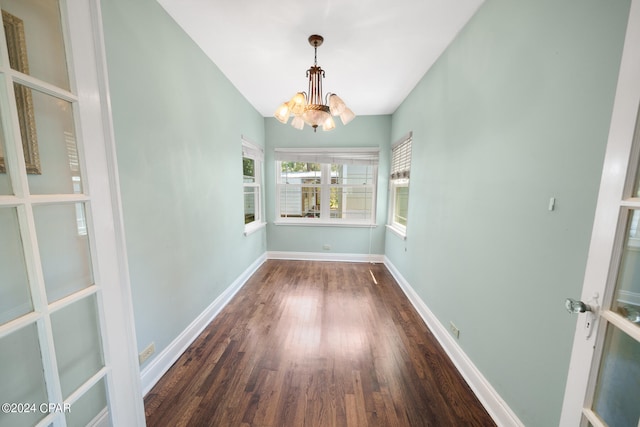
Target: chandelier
<point>309,108</point>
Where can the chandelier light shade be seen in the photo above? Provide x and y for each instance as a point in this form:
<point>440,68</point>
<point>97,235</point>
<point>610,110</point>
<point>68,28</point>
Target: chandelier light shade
<point>310,107</point>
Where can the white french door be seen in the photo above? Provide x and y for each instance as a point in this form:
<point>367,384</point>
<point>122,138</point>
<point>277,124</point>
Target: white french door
<point>603,387</point>
<point>67,346</point>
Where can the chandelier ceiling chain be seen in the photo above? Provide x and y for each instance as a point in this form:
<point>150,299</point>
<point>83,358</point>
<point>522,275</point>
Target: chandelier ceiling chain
<point>309,107</point>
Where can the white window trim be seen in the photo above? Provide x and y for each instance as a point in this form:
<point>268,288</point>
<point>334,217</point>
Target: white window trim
<point>253,151</point>
<point>326,157</point>
<point>254,226</point>
<point>396,228</point>
<point>401,233</point>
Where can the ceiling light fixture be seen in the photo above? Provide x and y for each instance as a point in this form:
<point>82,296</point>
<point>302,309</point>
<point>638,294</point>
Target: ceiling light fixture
<point>309,108</point>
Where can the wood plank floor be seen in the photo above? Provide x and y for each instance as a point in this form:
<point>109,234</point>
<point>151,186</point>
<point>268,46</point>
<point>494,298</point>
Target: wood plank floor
<point>315,344</point>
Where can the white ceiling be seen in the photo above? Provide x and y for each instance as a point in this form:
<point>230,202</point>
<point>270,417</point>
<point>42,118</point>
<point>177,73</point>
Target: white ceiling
<point>374,51</point>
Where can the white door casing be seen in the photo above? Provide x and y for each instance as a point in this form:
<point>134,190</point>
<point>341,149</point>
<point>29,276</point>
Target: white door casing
<point>125,389</point>
<point>609,225</point>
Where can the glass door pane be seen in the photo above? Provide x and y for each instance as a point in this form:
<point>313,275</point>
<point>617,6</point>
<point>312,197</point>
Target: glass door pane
<point>88,407</point>
<point>64,248</point>
<point>21,376</point>
<point>15,298</point>
<point>626,300</point>
<point>35,41</point>
<point>76,337</point>
<point>47,128</point>
<point>618,386</point>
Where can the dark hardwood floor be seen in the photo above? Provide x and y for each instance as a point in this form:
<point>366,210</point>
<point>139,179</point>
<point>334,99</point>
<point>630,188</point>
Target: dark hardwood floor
<point>315,344</point>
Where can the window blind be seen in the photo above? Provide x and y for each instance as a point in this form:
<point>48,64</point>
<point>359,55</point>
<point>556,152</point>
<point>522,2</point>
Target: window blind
<point>401,157</point>
<point>365,156</point>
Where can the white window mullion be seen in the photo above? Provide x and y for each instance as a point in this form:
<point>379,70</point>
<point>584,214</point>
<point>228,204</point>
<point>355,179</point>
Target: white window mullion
<point>374,197</point>
<point>258,196</point>
<point>14,156</point>
<point>40,305</point>
<point>325,192</point>
<point>279,188</point>
<point>42,86</point>
<point>19,323</point>
<point>50,364</point>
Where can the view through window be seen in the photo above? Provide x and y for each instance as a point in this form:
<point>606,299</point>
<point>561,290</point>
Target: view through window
<point>327,187</point>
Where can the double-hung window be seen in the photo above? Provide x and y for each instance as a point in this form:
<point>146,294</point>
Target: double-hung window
<point>399,185</point>
<point>332,186</point>
<point>252,160</point>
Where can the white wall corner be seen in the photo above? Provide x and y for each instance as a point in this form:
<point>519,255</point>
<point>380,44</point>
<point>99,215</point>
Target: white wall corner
<point>323,256</point>
<point>152,373</point>
<point>488,396</point>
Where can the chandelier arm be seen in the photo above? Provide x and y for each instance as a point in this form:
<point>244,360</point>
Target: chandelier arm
<point>320,77</point>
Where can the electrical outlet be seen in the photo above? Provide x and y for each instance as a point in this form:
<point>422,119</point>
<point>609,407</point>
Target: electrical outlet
<point>146,353</point>
<point>454,330</point>
<point>326,247</point>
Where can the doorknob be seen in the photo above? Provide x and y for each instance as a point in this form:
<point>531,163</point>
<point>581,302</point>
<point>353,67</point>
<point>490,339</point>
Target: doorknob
<point>574,306</point>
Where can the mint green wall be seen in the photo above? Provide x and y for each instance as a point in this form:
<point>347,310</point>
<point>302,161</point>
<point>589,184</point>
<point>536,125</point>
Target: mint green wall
<point>516,111</point>
<point>178,123</point>
<point>364,131</point>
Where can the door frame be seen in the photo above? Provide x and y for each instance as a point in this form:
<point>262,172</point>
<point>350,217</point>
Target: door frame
<point>124,389</point>
<point>602,251</point>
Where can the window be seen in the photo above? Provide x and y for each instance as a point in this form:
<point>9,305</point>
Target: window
<point>399,185</point>
<point>252,159</point>
<point>334,186</point>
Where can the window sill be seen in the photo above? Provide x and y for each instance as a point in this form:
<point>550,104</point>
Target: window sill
<point>311,223</point>
<point>398,232</point>
<point>253,227</point>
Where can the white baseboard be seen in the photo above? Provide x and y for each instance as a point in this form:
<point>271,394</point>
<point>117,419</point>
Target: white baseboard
<point>152,373</point>
<point>325,256</point>
<point>488,396</point>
